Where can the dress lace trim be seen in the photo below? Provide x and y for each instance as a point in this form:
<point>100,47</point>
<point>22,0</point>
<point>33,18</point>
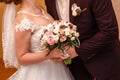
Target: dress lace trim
<point>25,24</point>
<point>26,12</point>
<point>35,15</point>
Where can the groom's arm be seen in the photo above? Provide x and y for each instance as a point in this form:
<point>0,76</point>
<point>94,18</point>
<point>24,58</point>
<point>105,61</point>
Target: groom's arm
<point>106,23</point>
<point>108,30</point>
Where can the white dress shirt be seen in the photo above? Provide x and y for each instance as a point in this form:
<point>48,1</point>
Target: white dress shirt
<point>63,9</point>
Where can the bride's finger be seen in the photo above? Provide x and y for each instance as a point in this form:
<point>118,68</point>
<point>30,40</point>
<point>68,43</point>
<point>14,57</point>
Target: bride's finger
<point>65,57</point>
<point>59,60</point>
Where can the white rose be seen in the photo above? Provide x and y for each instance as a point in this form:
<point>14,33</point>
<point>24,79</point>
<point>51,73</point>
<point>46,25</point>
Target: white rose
<point>72,38</point>
<point>74,6</point>
<point>56,38</point>
<point>74,13</point>
<point>77,34</point>
<point>56,30</point>
<point>76,10</point>
<point>67,31</point>
<point>49,26</point>
<point>74,27</point>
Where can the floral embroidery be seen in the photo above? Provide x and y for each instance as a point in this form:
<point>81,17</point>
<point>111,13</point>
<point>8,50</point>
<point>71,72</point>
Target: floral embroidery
<point>25,24</point>
<point>76,11</point>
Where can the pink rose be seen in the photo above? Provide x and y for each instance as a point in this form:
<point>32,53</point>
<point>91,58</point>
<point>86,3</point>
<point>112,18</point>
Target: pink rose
<point>62,39</point>
<point>51,41</point>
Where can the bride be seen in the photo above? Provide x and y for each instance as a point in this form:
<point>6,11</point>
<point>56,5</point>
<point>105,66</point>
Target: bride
<point>22,48</point>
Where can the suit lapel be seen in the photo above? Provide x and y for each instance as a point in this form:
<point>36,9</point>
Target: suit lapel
<point>55,10</point>
<point>70,11</point>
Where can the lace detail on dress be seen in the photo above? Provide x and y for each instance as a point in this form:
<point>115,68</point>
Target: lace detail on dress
<point>25,24</point>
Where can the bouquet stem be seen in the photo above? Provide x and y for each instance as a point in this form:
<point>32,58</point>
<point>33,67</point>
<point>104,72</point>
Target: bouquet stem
<point>68,61</point>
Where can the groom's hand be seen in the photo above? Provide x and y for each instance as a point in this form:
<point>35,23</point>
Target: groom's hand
<point>63,58</point>
<point>71,51</point>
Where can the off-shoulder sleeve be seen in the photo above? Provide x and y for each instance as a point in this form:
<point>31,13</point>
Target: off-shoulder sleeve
<point>24,25</point>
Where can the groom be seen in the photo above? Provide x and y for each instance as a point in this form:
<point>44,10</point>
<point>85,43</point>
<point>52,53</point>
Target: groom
<point>99,52</point>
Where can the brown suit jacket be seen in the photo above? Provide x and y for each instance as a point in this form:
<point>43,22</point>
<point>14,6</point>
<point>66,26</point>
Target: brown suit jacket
<point>100,47</point>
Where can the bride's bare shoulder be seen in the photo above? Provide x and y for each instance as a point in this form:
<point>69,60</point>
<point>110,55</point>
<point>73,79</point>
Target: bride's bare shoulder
<point>23,23</point>
<point>20,17</point>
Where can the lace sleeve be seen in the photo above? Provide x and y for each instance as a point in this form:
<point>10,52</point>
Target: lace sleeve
<point>25,24</point>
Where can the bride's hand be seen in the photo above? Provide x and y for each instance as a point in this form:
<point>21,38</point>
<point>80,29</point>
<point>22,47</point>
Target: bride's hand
<point>56,54</point>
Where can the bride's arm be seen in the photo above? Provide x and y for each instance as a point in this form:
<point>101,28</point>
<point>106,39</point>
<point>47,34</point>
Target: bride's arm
<point>25,56</point>
<point>22,49</point>
<point>22,41</point>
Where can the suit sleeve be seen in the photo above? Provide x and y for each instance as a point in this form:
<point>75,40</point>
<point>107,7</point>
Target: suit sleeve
<point>108,30</point>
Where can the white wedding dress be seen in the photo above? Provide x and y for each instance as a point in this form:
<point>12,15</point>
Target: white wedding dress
<point>46,70</point>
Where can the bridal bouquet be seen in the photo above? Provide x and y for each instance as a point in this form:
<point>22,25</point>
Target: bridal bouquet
<point>58,35</point>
